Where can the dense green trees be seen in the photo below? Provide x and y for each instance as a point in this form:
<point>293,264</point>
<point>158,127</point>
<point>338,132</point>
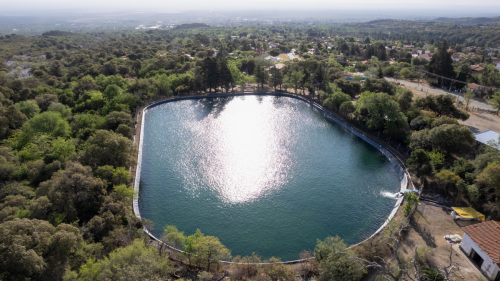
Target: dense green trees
<point>380,112</point>
<point>334,261</point>
<point>378,86</point>
<point>108,148</point>
<point>441,63</point>
<point>348,87</point>
<point>11,119</point>
<point>441,136</point>
<point>74,192</point>
<point>495,101</point>
<point>294,80</point>
<point>419,162</point>
<point>135,262</point>
<point>442,104</point>
<point>34,249</point>
<point>335,97</point>
<point>29,108</point>
<point>49,122</point>
<point>204,250</point>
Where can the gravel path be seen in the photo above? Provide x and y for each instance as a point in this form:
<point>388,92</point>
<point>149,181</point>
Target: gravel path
<point>475,103</point>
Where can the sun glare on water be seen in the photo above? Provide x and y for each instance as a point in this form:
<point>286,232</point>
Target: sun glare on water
<point>239,156</point>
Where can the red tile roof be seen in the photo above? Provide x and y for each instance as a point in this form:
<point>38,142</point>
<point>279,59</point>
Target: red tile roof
<point>476,68</point>
<point>473,86</point>
<point>487,236</point>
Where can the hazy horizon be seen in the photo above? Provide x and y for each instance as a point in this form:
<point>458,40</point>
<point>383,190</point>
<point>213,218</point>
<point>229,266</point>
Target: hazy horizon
<point>276,8</point>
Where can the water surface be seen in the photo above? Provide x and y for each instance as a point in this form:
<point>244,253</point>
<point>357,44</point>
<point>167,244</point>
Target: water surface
<point>265,174</point>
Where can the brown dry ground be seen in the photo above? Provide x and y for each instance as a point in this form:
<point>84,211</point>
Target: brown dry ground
<point>428,226</point>
<point>482,121</point>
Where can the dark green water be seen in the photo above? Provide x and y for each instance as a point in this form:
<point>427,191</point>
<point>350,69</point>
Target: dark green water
<point>264,174</point>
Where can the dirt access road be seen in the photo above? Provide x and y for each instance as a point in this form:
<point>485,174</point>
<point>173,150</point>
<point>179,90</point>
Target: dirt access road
<point>477,122</point>
<point>480,103</point>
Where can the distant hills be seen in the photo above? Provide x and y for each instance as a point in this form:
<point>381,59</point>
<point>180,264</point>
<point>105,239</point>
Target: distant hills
<point>470,21</point>
<point>481,20</point>
<point>191,25</point>
<point>382,21</point>
<point>58,33</point>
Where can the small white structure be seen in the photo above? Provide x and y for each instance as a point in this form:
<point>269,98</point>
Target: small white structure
<point>482,244</point>
<point>291,56</point>
<point>273,59</point>
<point>498,65</point>
<point>489,137</point>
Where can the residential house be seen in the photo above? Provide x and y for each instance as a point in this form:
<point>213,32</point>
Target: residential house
<point>273,59</point>
<point>481,243</point>
<point>498,65</point>
<point>427,56</point>
<point>260,52</point>
<point>450,50</point>
<point>476,69</point>
<point>471,48</point>
<point>473,87</point>
<point>455,58</point>
<point>123,57</point>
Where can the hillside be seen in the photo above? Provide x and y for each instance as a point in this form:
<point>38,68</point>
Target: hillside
<point>481,20</point>
<point>191,26</point>
<point>58,33</point>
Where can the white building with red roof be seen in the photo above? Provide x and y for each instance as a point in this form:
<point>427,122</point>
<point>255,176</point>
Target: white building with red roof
<point>482,244</point>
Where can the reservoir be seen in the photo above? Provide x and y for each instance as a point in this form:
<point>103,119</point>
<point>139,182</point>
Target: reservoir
<point>264,174</point>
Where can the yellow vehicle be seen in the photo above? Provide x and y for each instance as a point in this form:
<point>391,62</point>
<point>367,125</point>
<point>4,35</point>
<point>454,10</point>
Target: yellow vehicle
<point>466,213</point>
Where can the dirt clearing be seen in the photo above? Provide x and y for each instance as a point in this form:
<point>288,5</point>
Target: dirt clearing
<point>428,226</point>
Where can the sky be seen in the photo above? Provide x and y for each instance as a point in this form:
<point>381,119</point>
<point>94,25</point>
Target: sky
<point>486,7</point>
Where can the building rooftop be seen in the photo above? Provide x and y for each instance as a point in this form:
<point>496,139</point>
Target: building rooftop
<point>487,136</point>
<point>487,236</point>
<point>476,68</point>
<point>473,86</point>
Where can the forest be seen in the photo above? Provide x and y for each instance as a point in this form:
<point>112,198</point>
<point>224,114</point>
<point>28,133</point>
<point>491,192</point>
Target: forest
<point>68,104</point>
